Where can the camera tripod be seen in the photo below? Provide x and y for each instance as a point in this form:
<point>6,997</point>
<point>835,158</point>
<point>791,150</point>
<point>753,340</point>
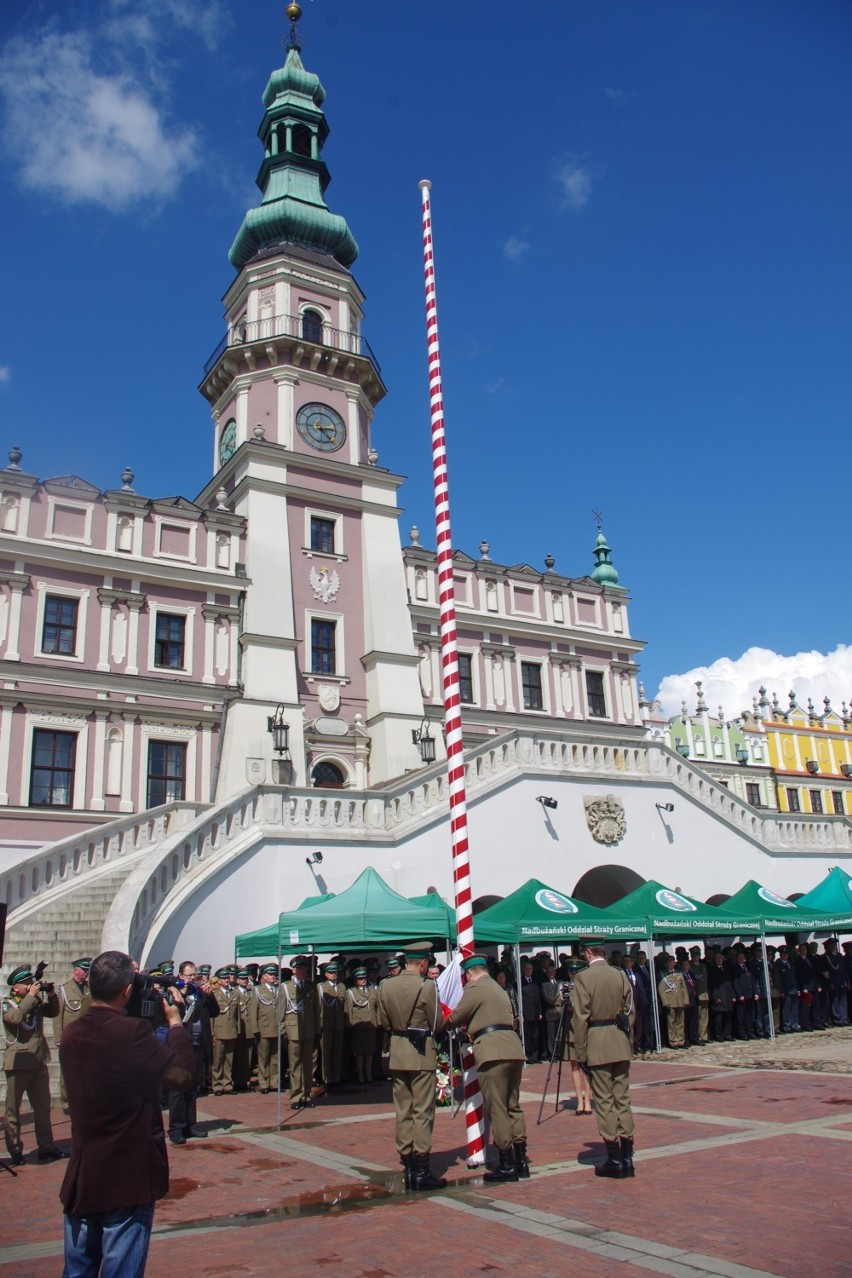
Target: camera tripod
<point>556,1055</point>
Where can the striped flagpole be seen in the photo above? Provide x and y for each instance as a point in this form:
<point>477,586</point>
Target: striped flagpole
<point>450,674</point>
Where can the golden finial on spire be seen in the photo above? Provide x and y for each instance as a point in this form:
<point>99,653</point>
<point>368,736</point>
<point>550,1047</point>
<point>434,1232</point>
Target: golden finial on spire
<point>293,12</point>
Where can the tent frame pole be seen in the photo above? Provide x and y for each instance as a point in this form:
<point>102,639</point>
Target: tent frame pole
<point>520,997</point>
<point>769,1015</point>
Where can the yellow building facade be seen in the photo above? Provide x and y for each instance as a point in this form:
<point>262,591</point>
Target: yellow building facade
<point>811,758</point>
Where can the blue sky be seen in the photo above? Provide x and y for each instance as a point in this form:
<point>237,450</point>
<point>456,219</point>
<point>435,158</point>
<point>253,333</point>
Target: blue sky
<point>642,219</point>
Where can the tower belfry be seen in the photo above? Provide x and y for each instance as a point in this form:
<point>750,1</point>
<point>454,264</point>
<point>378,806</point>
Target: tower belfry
<point>292,387</point>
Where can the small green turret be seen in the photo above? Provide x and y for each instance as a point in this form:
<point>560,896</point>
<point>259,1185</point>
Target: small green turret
<point>604,572</point>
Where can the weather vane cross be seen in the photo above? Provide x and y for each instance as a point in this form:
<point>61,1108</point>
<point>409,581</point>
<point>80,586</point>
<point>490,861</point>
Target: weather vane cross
<point>598,516</point>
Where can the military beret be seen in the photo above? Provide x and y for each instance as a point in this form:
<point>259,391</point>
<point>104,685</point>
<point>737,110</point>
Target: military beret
<point>418,950</point>
<point>269,969</point>
<point>359,973</point>
<point>85,963</point>
<point>474,960</point>
<point>21,976</point>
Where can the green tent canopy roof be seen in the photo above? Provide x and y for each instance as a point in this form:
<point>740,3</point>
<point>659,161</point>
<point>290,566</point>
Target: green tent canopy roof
<point>536,912</point>
<point>445,913</point>
<point>671,913</point>
<point>778,915</point>
<point>833,894</point>
<point>369,913</point>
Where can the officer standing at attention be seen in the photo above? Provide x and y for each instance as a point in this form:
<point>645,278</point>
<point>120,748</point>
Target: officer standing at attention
<point>603,1037</point>
<point>267,1022</point>
<point>332,992</point>
<point>74,1000</point>
<point>485,1009</point>
<point>226,1030</point>
<point>410,1009</point>
<point>25,1063</point>
<point>300,1003</point>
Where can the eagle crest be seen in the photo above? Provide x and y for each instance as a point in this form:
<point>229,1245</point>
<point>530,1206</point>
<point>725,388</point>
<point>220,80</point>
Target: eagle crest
<point>325,583</point>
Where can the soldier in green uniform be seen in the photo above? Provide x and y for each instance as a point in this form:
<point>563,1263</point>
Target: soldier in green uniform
<point>603,1041</point>
<point>674,997</point>
<point>361,1009</point>
<point>244,1046</point>
<point>226,1030</point>
<point>410,1009</point>
<point>25,1058</point>
<point>74,1000</point>
<point>486,1012</point>
<point>332,992</point>
<point>702,993</point>
<point>267,1023</point>
<point>301,1010</point>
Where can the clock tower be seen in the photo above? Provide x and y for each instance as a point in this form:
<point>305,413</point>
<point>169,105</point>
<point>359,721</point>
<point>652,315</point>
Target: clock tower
<point>293,386</point>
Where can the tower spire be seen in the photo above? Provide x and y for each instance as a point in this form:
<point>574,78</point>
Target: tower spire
<point>293,176</point>
<point>604,571</point>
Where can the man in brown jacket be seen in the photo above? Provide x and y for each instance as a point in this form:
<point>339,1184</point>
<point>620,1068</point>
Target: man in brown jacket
<point>410,1009</point>
<point>114,1069</point>
<point>485,1009</point>
<point>603,1037</point>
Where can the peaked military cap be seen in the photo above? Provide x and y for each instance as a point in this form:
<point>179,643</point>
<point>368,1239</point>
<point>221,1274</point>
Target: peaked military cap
<point>223,971</point>
<point>167,967</point>
<point>22,976</point>
<point>299,961</point>
<point>474,960</point>
<point>85,963</point>
<point>360,972</point>
<point>394,961</point>
<point>418,950</point>
<point>332,967</point>
<point>269,968</point>
<point>243,974</point>
<point>203,969</point>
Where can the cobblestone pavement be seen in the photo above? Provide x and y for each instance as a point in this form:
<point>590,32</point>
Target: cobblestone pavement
<point>743,1169</point>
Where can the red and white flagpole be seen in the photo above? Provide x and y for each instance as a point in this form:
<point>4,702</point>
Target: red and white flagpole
<point>450,674</point>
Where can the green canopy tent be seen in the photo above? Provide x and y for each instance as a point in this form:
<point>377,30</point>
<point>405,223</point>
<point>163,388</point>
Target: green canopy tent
<point>266,938</point>
<point>670,914</point>
<point>536,912</point>
<point>367,913</point>
<point>778,915</point>
<point>445,914</point>
<point>833,895</point>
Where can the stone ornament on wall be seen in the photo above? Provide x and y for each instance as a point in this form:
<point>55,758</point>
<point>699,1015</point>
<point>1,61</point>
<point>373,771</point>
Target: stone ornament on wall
<point>256,771</point>
<point>605,819</point>
<point>328,695</point>
<point>325,583</point>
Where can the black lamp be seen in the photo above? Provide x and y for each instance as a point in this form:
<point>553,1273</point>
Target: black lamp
<point>424,741</point>
<point>279,730</point>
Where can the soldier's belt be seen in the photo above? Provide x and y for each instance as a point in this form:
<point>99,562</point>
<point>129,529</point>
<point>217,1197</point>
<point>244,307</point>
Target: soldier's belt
<point>600,1024</point>
<point>489,1029</point>
<point>414,1035</point>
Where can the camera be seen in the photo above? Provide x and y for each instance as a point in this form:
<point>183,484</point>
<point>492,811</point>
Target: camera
<point>47,986</point>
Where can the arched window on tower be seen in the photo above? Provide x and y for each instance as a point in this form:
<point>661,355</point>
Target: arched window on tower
<point>302,140</point>
<point>328,776</point>
<point>312,326</point>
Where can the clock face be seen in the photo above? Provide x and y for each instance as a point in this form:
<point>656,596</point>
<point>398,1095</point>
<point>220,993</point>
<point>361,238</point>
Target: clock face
<point>321,427</point>
<point>227,442</point>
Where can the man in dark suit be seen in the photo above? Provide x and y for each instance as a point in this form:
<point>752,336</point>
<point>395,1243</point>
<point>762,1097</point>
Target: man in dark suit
<point>531,1011</point>
<point>115,1068</point>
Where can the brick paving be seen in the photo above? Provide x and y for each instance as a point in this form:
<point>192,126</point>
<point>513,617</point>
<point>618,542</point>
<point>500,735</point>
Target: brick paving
<point>741,1171</point>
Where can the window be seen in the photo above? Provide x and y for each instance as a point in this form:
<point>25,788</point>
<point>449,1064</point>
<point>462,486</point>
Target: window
<point>595,694</point>
<point>816,800</point>
<point>323,656</point>
<point>322,535</point>
<point>753,794</point>
<point>59,633</point>
<point>329,776</point>
<point>312,326</point>
<point>169,641</point>
<point>166,772</point>
<point>531,682</point>
<point>792,800</point>
<point>52,775</point>
<point>465,677</point>
<point>837,802</point>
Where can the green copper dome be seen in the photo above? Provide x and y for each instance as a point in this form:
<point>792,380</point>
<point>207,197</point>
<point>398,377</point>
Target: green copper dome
<point>293,176</point>
<point>604,573</point>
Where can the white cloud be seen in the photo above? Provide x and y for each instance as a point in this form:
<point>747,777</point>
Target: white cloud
<point>575,180</point>
<point>5,373</point>
<point>109,86</point>
<point>732,683</point>
<point>515,248</point>
<point>493,388</point>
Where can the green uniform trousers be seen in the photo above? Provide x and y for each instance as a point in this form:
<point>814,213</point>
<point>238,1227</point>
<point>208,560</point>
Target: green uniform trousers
<point>414,1105</point>
<point>501,1087</point>
<point>332,1054</point>
<point>300,1055</point>
<point>35,1084</point>
<point>611,1094</point>
<point>676,1021</point>
<point>267,1063</point>
<point>223,1064</point>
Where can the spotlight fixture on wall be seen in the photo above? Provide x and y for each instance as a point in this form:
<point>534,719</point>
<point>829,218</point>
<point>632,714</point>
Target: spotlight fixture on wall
<point>279,730</point>
<point>314,859</point>
<point>664,807</point>
<point>424,741</point>
<point>742,754</point>
<point>546,801</point>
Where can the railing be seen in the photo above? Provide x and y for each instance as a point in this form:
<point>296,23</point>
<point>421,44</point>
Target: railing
<point>337,339</point>
<point>59,865</point>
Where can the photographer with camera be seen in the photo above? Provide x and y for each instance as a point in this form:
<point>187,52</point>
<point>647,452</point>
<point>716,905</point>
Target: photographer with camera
<point>114,1068</point>
<point>25,1058</point>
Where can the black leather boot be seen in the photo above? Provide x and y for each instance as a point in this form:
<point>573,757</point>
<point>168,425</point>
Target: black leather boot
<point>627,1156</point>
<point>407,1161</point>
<point>521,1160</point>
<point>506,1169</point>
<point>422,1177</point>
<point>613,1167</point>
